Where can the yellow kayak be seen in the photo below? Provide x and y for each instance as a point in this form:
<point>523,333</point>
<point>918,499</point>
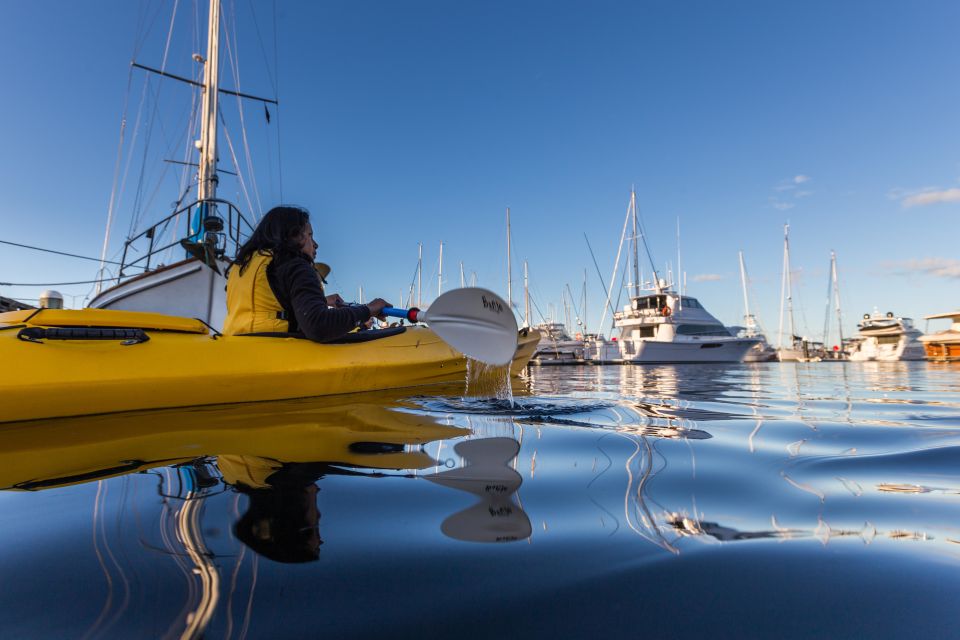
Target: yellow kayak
<point>80,362</point>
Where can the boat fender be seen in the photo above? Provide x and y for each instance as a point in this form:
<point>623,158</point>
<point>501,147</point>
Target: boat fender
<point>126,336</point>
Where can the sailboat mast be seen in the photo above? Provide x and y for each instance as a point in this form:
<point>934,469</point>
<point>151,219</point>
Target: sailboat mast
<point>419,274</point>
<point>207,175</point>
<point>584,301</point>
<point>746,301</point>
<point>526,296</point>
<point>440,272</point>
<point>836,291</point>
<point>636,253</point>
<point>786,257</point>
<point>509,267</point>
<point>783,285</point>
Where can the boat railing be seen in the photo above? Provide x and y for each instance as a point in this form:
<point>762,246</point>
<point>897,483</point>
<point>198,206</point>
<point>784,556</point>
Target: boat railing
<point>207,235</point>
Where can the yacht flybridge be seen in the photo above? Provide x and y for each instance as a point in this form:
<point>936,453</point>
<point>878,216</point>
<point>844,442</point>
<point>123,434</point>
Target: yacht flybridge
<point>665,325</point>
<point>886,338</point>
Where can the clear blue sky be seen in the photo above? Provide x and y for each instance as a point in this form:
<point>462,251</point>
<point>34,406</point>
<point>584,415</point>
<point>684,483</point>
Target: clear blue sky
<point>407,121</point>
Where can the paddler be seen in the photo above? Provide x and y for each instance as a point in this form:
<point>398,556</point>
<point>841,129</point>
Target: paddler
<point>274,288</point>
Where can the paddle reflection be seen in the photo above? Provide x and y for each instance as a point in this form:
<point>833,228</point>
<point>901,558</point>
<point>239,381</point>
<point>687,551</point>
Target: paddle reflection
<point>487,474</point>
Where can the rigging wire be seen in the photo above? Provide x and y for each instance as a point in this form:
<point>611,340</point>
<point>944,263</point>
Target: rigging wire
<point>59,253</point>
<point>233,56</point>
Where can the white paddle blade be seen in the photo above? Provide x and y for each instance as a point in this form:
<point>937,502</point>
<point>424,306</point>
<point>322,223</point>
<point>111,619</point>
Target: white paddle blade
<point>476,322</point>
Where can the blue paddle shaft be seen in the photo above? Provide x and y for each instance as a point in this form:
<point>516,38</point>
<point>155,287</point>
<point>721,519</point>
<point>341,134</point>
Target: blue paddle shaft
<point>407,314</point>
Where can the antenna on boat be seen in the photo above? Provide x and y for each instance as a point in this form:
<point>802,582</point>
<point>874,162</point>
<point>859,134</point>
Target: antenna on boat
<point>419,274</point>
<point>462,281</point>
<point>440,272</point>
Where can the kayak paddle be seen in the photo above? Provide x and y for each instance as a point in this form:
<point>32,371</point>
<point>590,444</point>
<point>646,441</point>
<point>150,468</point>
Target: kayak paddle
<point>476,322</point>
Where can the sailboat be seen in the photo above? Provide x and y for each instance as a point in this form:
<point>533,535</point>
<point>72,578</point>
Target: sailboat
<point>798,349</point>
<point>664,325</point>
<point>211,229</point>
<point>761,351</point>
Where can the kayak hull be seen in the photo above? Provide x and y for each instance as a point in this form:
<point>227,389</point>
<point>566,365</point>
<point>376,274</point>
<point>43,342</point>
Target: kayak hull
<point>184,367</point>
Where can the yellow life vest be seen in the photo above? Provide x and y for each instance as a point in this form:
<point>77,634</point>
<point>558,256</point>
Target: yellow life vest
<point>251,305</point>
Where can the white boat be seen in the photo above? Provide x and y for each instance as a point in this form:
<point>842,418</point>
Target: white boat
<point>598,350</point>
<point>556,346</point>
<point>665,326</point>
<point>943,346</point>
<point>197,240</point>
<point>886,338</point>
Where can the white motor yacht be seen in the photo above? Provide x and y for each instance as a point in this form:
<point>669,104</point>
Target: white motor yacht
<point>668,327</point>
<point>886,338</point>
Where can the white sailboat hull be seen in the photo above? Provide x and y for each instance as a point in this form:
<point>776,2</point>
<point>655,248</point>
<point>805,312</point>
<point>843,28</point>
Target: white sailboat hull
<point>188,288</point>
<point>706,350</point>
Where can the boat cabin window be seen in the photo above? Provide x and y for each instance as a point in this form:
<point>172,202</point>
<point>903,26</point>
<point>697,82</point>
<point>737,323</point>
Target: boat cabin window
<point>690,303</point>
<point>649,302</point>
<point>644,332</point>
<point>702,330</point>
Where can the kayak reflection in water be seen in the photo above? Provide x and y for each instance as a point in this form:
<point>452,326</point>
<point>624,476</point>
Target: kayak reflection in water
<point>274,288</point>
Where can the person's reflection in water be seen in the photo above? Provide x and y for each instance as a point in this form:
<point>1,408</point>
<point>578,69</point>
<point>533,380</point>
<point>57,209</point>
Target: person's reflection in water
<point>487,474</point>
<point>282,521</point>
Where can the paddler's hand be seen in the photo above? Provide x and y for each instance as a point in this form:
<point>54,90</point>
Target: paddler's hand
<point>376,308</point>
<point>335,300</point>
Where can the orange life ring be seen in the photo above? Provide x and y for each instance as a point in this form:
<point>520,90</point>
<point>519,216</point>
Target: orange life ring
<point>665,311</point>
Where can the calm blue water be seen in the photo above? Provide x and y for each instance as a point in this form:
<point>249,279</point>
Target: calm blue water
<point>810,500</point>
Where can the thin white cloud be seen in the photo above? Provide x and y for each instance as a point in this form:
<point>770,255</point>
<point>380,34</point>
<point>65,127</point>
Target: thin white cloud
<point>780,205</point>
<point>802,194</point>
<point>800,179</point>
<point>939,267</point>
<point>707,277</point>
<point>930,197</point>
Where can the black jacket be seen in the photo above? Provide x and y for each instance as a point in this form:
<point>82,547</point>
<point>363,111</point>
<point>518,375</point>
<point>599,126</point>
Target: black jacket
<point>297,287</point>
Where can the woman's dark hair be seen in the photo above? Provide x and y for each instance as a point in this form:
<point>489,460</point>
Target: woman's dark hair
<point>279,232</point>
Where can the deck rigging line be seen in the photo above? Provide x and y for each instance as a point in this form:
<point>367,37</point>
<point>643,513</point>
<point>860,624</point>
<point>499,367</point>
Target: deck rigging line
<point>59,253</point>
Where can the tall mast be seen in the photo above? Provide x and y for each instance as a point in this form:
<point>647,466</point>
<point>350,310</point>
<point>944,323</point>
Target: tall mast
<point>584,301</point>
<point>679,270</point>
<point>793,329</point>
<point>636,254</point>
<point>463,282</point>
<point>207,175</point>
<point>419,274</point>
<point>783,285</point>
<point>836,291</point>
<point>748,319</point>
<point>509,267</point>
<point>440,272</point>
<point>526,296</point>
